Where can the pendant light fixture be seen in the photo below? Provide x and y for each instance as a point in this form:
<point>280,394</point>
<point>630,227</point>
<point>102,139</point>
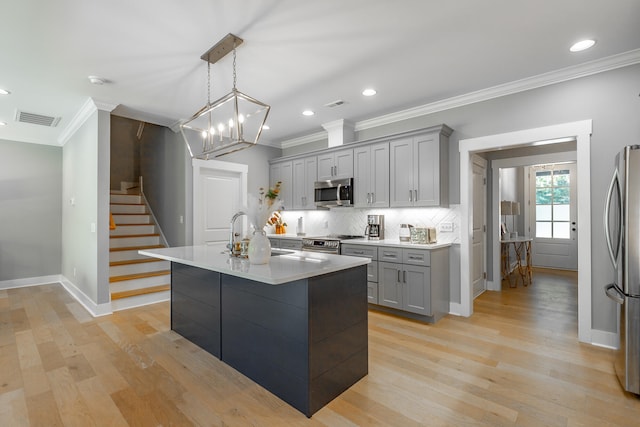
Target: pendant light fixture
<point>233,122</point>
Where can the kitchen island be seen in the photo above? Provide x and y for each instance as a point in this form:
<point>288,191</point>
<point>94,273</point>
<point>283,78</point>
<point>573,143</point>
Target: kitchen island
<point>297,325</point>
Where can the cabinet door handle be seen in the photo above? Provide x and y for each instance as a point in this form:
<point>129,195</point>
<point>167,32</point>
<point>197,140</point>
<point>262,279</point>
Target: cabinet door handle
<point>416,195</point>
<point>368,198</point>
<point>399,279</point>
<point>358,252</point>
<point>404,276</point>
<point>410,196</point>
<point>373,198</point>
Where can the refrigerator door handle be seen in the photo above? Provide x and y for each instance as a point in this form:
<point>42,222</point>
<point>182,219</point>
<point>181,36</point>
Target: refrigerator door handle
<point>614,293</point>
<point>614,185</point>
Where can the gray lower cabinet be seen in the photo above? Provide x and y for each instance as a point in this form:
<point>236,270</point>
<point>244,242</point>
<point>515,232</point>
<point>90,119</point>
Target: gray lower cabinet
<point>370,252</point>
<point>414,280</point>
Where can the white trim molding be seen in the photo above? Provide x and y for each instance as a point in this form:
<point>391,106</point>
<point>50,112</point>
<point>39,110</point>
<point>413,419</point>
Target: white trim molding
<point>581,132</point>
<point>94,309</point>
<point>89,107</point>
<point>30,281</point>
<point>558,76</point>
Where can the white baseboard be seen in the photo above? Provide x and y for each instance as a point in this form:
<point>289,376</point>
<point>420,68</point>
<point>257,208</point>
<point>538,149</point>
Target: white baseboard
<point>605,339</point>
<point>455,308</point>
<point>94,309</point>
<point>29,281</point>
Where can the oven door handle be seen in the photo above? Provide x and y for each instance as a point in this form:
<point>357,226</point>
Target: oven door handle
<point>338,187</point>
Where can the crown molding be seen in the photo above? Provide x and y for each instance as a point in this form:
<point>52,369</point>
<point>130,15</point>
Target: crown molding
<point>303,140</point>
<point>89,107</point>
<point>613,62</point>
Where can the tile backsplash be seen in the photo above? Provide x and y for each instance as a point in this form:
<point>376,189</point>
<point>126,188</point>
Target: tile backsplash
<point>353,221</point>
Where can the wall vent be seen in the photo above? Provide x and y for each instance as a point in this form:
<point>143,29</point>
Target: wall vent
<point>36,119</point>
<point>335,103</point>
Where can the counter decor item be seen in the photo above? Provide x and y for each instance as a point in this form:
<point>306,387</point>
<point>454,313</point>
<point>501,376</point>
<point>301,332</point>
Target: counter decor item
<point>260,210</point>
<point>423,235</point>
<point>405,232</point>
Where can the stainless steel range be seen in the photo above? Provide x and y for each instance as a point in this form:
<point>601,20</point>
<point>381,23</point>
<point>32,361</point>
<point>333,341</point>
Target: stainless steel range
<point>328,244</point>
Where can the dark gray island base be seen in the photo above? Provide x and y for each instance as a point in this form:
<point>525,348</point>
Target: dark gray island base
<point>305,340</point>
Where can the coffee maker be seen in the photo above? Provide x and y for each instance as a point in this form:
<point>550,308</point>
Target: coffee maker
<point>375,227</point>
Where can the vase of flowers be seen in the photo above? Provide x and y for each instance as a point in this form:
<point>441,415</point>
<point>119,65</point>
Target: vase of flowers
<point>261,209</point>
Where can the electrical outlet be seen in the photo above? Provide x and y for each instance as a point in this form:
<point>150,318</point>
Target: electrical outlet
<point>181,219</point>
<point>446,227</point>
<point>326,224</point>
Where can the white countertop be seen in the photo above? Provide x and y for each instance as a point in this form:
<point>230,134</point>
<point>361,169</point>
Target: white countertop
<point>387,242</point>
<point>293,265</point>
<point>395,243</point>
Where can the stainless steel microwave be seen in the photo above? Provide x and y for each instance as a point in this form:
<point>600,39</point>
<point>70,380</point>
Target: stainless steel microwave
<point>336,192</point>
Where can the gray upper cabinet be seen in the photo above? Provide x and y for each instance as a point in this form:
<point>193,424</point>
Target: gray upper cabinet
<point>371,176</point>
<point>283,172</point>
<point>335,165</point>
<point>419,169</point>
<point>305,172</point>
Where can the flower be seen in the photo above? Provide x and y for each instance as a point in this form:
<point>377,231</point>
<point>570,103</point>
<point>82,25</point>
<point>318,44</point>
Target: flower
<point>262,207</point>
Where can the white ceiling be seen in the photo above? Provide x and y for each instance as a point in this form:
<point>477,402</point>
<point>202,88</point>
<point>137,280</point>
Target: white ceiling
<point>297,54</point>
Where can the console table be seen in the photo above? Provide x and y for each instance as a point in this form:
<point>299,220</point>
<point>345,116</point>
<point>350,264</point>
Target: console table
<point>522,249</point>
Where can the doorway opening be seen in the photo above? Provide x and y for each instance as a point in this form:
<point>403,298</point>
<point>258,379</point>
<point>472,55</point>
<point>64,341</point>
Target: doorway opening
<point>578,131</point>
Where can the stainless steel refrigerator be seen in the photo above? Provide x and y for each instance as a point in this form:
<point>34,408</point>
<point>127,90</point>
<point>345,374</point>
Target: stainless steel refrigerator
<point>622,230</point>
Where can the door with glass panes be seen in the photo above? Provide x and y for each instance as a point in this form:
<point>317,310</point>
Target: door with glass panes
<point>553,216</point>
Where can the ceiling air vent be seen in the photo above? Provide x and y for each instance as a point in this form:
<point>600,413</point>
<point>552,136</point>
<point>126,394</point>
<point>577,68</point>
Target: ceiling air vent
<point>36,119</point>
<point>336,103</point>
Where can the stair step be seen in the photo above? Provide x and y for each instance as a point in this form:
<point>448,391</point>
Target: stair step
<point>138,276</point>
<point>138,266</point>
<point>136,248</point>
<point>127,208</point>
<point>138,281</point>
<point>132,230</point>
<point>143,291</point>
<point>134,240</point>
<point>125,198</point>
<point>131,218</point>
<point>132,261</point>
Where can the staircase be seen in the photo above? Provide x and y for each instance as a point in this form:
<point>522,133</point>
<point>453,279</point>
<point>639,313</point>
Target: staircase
<point>135,279</point>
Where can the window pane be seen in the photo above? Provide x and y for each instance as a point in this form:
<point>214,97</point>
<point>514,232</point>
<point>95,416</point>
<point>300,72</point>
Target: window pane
<point>561,213</point>
<point>543,179</point>
<point>561,178</point>
<point>561,230</point>
<point>543,229</point>
<point>543,196</point>
<point>561,195</point>
<point>543,212</point>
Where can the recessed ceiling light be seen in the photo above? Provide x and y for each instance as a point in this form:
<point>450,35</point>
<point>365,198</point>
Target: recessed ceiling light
<point>96,80</point>
<point>4,92</point>
<point>582,45</point>
<point>369,92</point>
<point>308,113</point>
<point>265,127</point>
<point>3,123</point>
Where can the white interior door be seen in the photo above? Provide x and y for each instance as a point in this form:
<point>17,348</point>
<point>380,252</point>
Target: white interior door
<point>479,243</point>
<point>554,215</point>
<point>219,191</point>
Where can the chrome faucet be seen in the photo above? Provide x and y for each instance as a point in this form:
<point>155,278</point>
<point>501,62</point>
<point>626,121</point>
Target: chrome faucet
<point>231,231</point>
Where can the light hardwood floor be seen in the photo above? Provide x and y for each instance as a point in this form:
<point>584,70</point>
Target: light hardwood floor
<point>516,361</point>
